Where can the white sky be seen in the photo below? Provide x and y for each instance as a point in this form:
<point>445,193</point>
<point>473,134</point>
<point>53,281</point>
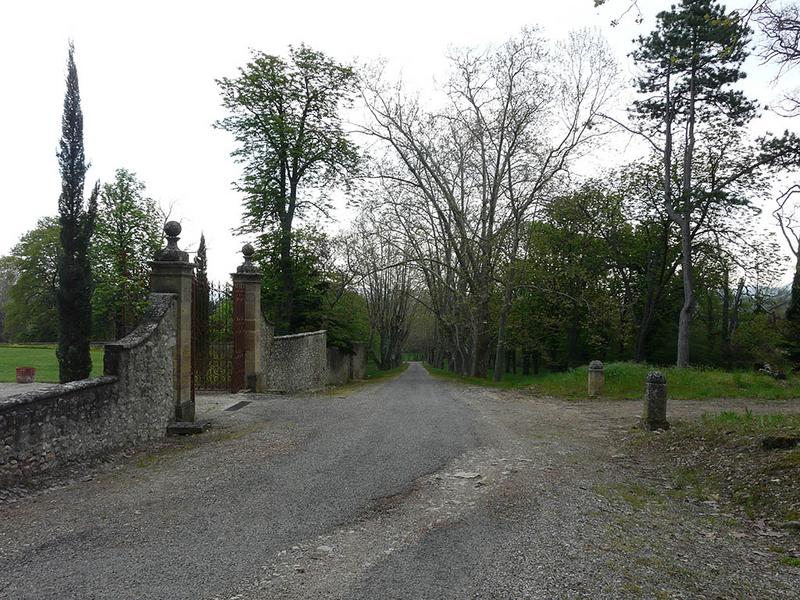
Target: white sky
<point>147,71</point>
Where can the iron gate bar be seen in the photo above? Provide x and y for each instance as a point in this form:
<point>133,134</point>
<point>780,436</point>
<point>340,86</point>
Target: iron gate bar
<point>212,336</point>
<point>237,381</point>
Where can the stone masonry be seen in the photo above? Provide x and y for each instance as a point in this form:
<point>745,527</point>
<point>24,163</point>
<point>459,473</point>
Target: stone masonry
<point>132,403</point>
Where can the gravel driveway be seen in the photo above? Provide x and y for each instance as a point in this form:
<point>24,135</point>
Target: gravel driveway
<point>413,488</point>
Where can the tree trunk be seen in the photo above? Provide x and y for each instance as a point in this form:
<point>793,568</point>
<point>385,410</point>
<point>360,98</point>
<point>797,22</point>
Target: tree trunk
<point>501,336</point>
<point>725,325</point>
<point>685,320</point>
<point>287,281</point>
<point>572,339</point>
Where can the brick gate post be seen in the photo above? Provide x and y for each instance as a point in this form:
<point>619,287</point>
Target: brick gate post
<point>171,273</point>
<point>248,368</point>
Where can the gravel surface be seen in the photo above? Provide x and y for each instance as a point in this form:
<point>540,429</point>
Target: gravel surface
<point>412,488</point>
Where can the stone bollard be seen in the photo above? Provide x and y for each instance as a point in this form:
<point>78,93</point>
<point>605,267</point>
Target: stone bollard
<point>655,402</point>
<point>596,378</point>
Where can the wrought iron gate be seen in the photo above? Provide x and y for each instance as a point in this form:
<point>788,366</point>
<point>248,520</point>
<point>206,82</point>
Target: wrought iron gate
<point>212,336</point>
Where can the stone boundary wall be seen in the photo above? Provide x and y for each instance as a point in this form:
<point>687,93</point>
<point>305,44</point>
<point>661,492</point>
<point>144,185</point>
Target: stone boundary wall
<point>338,366</point>
<point>347,366</point>
<point>358,361</point>
<point>132,403</point>
<point>296,362</point>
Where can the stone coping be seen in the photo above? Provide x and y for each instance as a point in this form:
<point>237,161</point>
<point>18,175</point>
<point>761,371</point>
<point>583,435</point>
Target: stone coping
<point>300,335</point>
<point>63,389</point>
<point>158,307</point>
<point>159,304</point>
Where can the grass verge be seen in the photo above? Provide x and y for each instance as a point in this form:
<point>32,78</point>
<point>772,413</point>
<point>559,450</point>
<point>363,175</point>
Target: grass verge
<point>625,381</point>
<point>720,457</point>
<point>42,357</point>
<point>373,374</point>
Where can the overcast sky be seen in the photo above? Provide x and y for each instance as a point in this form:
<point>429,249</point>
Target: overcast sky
<point>147,71</point>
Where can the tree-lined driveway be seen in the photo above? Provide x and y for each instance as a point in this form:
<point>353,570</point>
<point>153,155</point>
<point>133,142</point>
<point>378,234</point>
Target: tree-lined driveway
<point>413,488</point>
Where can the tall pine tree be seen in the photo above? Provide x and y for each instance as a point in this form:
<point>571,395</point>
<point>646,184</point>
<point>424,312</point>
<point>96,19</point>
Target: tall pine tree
<point>77,219</point>
<point>690,63</point>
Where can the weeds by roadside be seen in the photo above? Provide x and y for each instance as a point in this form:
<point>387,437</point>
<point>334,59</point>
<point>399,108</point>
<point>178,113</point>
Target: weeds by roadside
<point>625,381</point>
<point>721,460</point>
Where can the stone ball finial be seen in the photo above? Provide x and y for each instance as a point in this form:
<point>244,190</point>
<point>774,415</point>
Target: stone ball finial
<point>172,229</point>
<point>247,266</point>
<point>656,377</point>
<point>595,365</point>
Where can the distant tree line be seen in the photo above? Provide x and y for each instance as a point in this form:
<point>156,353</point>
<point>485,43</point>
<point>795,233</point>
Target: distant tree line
<point>476,240</point>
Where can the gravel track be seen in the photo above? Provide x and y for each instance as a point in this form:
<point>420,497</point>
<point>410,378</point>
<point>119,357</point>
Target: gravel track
<point>374,495</point>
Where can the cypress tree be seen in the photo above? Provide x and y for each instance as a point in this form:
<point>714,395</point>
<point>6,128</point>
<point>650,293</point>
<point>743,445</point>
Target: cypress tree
<point>77,219</point>
<point>201,309</point>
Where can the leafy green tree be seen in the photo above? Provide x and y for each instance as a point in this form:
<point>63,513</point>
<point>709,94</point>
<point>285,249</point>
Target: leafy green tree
<point>8,275</point>
<point>77,220</point>
<point>202,306</point>
<point>310,283</point>
<point>691,61</point>
<point>285,116</point>
<point>31,314</point>
<point>127,237</point>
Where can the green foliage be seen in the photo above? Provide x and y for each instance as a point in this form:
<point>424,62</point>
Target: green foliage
<point>696,51</point>
<point>42,358</point>
<point>31,306</point>
<point>625,381</point>
<point>374,373</point>
<point>8,275</point>
<point>757,340</point>
<point>127,237</point>
<point>77,221</point>
<point>285,117</point>
<point>310,283</point>
<point>747,421</point>
<point>347,320</point>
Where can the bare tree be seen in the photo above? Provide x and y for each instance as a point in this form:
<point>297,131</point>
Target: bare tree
<point>376,256</point>
<point>789,223</point>
<point>469,174</point>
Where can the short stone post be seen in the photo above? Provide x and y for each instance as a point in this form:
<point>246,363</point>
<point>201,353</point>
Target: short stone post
<point>655,402</point>
<point>596,378</point>
<point>171,273</point>
<point>248,353</point>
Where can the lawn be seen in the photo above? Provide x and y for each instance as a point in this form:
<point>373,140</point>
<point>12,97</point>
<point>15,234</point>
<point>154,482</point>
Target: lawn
<point>42,357</point>
<point>626,381</point>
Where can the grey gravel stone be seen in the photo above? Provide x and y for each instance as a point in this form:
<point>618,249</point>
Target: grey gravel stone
<point>367,476</point>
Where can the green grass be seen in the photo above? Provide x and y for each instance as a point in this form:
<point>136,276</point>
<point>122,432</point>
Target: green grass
<point>510,380</point>
<point>626,381</point>
<point>720,457</point>
<point>374,373</point>
<point>790,561</point>
<point>42,357</point>
<point>748,423</point>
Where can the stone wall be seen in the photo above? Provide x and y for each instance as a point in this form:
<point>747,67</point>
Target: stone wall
<point>338,366</point>
<point>132,403</point>
<point>296,362</point>
<point>358,361</point>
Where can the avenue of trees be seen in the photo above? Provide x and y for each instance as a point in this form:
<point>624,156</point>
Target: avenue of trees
<point>476,242</point>
<point>480,239</point>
